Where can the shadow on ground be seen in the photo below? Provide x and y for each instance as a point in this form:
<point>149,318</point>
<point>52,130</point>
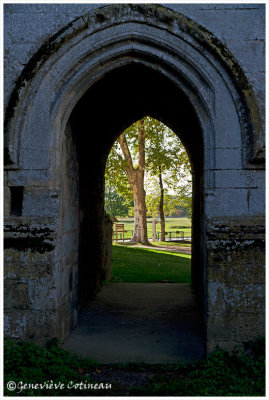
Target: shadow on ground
<point>140,322</point>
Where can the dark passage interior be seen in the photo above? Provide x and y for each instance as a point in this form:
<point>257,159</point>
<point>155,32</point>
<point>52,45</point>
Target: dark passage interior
<point>113,103</point>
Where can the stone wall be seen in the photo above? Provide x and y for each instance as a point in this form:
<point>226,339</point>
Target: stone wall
<point>205,79</point>
<point>30,278</point>
<point>69,233</point>
<point>235,280</point>
<point>241,27</point>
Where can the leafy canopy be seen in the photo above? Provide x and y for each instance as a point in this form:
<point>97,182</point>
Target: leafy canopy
<point>165,154</point>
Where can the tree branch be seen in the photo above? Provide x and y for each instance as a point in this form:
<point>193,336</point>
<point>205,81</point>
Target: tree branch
<point>141,145</point>
<point>130,170</point>
<point>126,152</point>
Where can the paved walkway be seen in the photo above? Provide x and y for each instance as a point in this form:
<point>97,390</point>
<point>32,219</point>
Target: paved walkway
<point>134,322</point>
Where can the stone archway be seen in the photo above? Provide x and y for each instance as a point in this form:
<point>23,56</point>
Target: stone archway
<point>118,99</point>
<point>215,112</point>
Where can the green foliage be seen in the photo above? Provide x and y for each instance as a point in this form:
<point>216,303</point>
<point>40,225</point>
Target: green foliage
<point>134,264</point>
<point>221,374</point>
<point>115,204</point>
<point>172,205</point>
<point>163,152</point>
<point>115,175</point>
<point>166,156</point>
<point>29,363</point>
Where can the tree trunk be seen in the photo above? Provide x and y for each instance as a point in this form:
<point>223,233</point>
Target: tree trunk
<point>161,213</point>
<point>140,212</point>
<point>136,180</point>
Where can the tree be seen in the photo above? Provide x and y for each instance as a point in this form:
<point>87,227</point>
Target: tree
<point>125,171</point>
<point>172,205</point>
<point>149,148</point>
<point>115,204</point>
<point>167,159</point>
<point>136,175</point>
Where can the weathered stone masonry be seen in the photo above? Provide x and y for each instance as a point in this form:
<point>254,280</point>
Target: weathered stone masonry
<point>69,73</point>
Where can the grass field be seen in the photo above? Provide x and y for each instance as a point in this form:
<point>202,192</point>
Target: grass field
<point>133,264</point>
<point>171,225</point>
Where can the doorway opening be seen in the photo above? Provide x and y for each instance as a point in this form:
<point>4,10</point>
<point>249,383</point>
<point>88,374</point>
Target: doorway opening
<point>108,107</point>
<point>148,196</point>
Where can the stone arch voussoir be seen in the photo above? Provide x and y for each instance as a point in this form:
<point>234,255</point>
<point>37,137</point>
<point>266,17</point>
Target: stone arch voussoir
<point>152,16</point>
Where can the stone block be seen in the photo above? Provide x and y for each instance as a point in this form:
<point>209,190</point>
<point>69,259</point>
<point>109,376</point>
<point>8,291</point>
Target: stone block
<point>239,179</point>
<point>42,324</point>
<point>29,325</point>
<point>19,269</point>
<point>227,345</point>
<point>215,300</point>
<point>35,158</point>
<point>37,202</point>
<point>256,201</point>
<point>241,262</point>
<point>16,269</point>
<point>45,295</point>
<point>28,178</point>
<point>228,158</point>
<point>254,47</point>
<point>242,272</point>
<point>249,326</point>
<point>244,297</point>
<point>234,297</point>
<point>226,202</point>
<point>242,228</point>
<point>25,28</point>
<point>15,324</point>
<point>19,294</point>
<point>24,259</point>
<point>7,200</point>
<point>221,327</point>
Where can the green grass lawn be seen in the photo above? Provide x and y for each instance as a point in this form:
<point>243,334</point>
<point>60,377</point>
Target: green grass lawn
<point>171,225</point>
<point>132,264</point>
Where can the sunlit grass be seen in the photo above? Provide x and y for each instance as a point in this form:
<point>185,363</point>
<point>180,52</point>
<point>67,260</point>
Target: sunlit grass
<point>135,264</point>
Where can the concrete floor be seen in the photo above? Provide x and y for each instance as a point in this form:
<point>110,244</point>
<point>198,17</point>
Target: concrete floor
<point>134,322</point>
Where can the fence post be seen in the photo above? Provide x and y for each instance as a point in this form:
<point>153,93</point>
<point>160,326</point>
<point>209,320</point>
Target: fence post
<point>154,230</point>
